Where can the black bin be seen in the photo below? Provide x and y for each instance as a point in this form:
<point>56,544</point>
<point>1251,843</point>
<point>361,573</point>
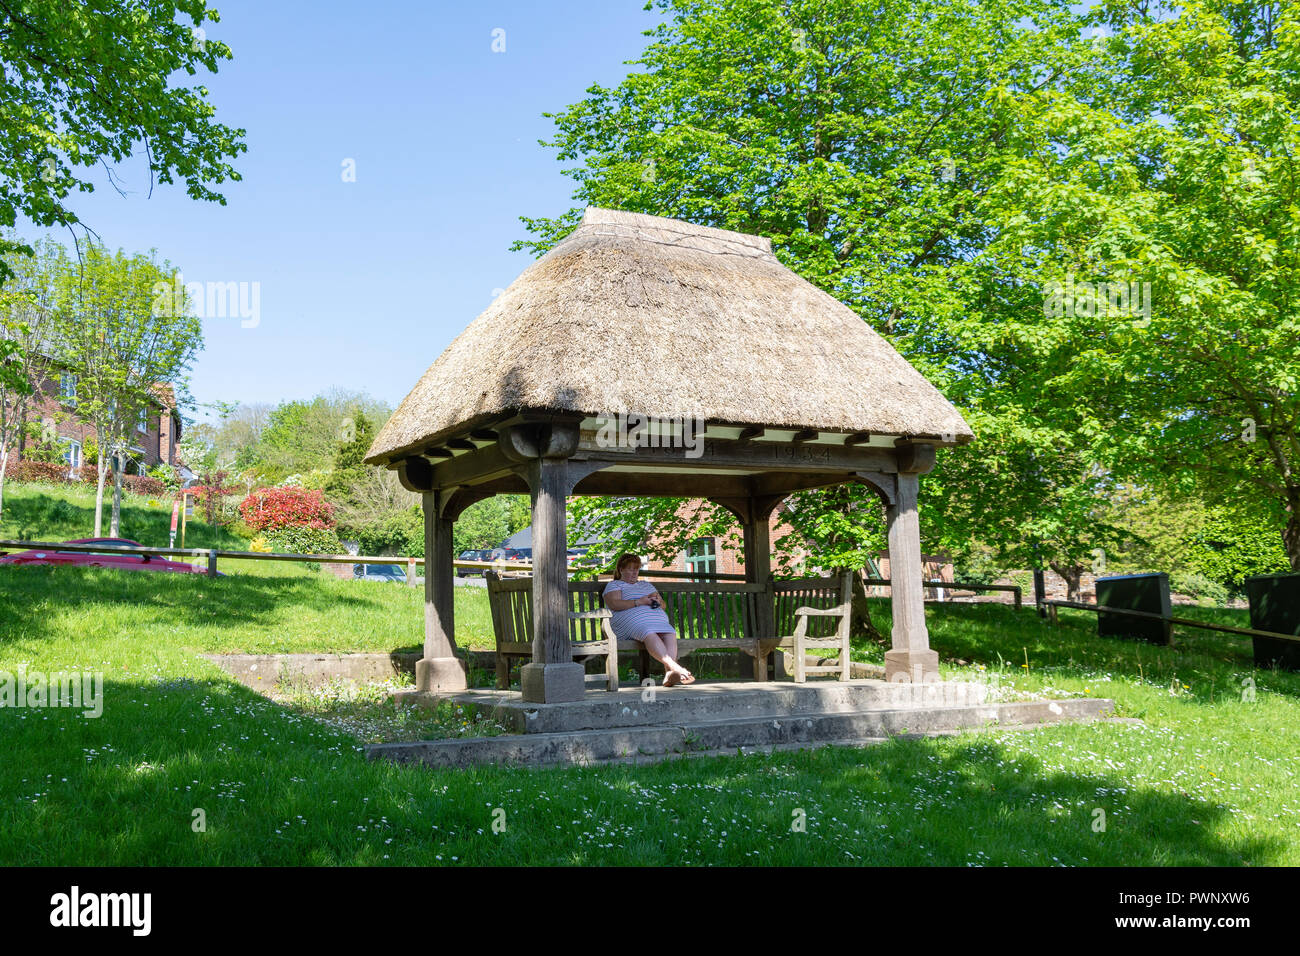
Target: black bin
<point>1275,606</point>
<point>1135,592</point>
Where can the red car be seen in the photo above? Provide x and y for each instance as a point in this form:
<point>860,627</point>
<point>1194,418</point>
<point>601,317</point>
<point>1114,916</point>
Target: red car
<point>103,559</point>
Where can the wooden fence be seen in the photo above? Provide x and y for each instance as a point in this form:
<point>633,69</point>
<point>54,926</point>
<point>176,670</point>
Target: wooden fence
<point>210,557</point>
<point>1169,620</point>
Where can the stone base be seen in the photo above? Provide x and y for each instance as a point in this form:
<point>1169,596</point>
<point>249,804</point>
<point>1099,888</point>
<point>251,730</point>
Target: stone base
<point>552,683</point>
<point>916,667</point>
<point>440,675</point>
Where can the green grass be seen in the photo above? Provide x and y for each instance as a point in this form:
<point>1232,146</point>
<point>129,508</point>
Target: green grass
<point>49,512</point>
<point>1207,778</point>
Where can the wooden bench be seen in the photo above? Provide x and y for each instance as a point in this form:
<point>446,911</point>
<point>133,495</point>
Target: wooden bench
<point>707,615</point>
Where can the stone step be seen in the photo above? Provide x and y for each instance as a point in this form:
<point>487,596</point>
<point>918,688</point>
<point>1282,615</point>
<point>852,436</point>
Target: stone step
<point>645,743</point>
<point>636,707</point>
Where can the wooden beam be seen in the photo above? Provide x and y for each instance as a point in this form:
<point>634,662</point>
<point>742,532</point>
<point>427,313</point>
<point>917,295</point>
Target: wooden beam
<point>483,434</point>
<point>415,474</point>
<point>914,457</point>
<point>807,434</point>
<point>753,431</point>
<point>474,467</point>
<point>759,456</point>
<point>663,485</point>
<point>440,453</point>
<point>461,444</point>
<point>857,438</point>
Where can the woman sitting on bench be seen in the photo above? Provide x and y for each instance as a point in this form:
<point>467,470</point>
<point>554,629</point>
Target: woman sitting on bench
<point>639,616</point>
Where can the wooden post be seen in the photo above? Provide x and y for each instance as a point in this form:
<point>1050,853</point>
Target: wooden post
<point>910,657</point>
<point>212,562</point>
<point>410,572</point>
<point>440,670</point>
<point>754,514</point>
<point>552,676</point>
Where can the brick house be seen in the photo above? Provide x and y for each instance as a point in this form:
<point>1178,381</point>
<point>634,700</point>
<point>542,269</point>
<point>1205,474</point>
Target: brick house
<point>154,440</point>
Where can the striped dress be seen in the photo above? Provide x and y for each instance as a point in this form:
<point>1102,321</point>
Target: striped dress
<point>636,622</point>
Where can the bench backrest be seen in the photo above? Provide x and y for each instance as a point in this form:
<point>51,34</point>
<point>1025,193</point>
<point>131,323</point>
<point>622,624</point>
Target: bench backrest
<point>699,610</point>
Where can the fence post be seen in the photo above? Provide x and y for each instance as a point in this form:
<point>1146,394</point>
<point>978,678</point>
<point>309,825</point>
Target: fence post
<point>212,562</point>
<point>410,571</point>
<point>1017,594</point>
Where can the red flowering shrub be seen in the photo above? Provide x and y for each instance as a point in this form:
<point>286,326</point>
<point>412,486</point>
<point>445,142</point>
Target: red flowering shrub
<point>211,496</point>
<point>36,471</point>
<point>269,509</point>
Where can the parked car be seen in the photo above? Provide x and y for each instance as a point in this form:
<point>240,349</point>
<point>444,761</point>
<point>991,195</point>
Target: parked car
<point>104,559</point>
<point>379,572</point>
<point>472,556</point>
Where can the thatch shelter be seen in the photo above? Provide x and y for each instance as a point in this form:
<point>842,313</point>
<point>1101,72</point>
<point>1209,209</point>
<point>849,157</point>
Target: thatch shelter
<point>639,315</point>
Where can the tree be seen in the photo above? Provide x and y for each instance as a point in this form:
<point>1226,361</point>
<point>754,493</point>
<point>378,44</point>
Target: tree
<point>303,436</point>
<point>26,346</point>
<point>356,434</point>
<point>873,142</point>
<point>123,343</point>
<point>1180,180</point>
<point>87,83</point>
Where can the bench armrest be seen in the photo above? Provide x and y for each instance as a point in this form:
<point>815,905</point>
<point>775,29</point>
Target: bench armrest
<point>597,615</point>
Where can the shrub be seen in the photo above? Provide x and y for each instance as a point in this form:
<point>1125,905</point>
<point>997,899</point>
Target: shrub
<point>143,485</point>
<point>302,540</point>
<point>211,494</point>
<point>167,475</point>
<point>269,509</point>
<point>401,532</point>
<point>1198,586</point>
<point>26,470</point>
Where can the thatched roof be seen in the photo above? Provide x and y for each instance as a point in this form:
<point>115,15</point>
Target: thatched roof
<point>642,314</point>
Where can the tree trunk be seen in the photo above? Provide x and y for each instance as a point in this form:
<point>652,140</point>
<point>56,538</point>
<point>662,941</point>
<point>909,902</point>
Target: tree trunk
<point>101,468</point>
<point>1072,574</point>
<point>115,523</point>
<point>860,624</point>
<point>22,429</point>
<point>1291,533</point>
<point>4,463</point>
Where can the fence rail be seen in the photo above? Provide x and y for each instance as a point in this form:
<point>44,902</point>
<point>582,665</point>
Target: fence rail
<point>211,555</point>
<point>1015,589</point>
<point>1152,615</point>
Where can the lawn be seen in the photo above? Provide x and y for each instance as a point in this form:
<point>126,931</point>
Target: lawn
<point>1207,778</point>
<point>61,512</point>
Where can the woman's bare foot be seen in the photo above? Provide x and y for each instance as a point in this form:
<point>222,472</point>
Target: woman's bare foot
<point>687,677</point>
<point>671,679</point>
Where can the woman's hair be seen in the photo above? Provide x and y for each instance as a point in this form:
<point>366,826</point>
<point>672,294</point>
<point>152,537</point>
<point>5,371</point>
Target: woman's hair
<point>624,561</point>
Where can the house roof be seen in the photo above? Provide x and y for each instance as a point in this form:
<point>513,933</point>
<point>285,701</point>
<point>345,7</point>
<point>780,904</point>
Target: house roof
<point>660,317</point>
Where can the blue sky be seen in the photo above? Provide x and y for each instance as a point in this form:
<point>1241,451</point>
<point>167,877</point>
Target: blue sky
<point>363,284</point>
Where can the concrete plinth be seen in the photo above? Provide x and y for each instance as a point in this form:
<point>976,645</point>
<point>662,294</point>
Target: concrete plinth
<point>552,683</point>
<point>440,674</point>
<point>911,666</point>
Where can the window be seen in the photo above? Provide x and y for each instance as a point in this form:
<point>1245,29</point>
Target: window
<point>68,389</point>
<point>73,455</point>
<point>702,559</point>
<point>142,425</point>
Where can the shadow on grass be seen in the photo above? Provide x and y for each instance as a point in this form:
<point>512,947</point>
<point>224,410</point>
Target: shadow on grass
<point>275,787</point>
